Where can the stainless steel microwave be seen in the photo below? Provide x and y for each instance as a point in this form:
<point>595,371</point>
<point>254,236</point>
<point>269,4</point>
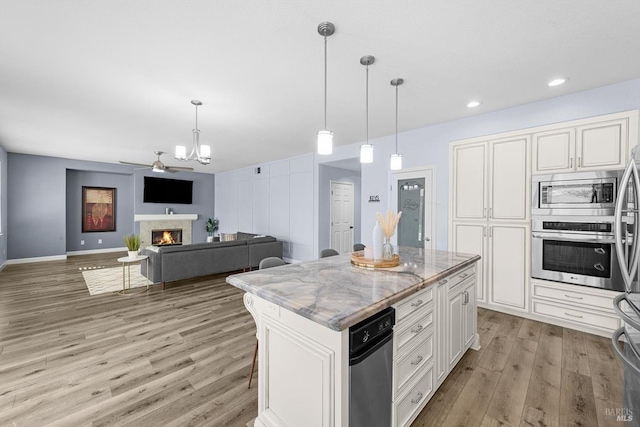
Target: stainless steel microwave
<point>579,193</point>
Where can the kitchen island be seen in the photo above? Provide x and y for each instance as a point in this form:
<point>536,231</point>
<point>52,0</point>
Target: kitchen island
<point>303,313</point>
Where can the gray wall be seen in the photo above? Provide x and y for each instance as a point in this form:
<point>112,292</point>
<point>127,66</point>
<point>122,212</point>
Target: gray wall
<point>37,204</point>
<point>3,206</point>
<point>123,183</point>
<point>326,175</point>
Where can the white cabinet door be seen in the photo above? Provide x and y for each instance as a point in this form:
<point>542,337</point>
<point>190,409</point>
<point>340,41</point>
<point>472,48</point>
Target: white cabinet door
<point>455,326</point>
<point>470,238</point>
<point>553,151</point>
<point>469,181</point>
<point>508,265</point>
<point>508,183</point>
<point>602,145</point>
<point>442,331</point>
<point>469,315</point>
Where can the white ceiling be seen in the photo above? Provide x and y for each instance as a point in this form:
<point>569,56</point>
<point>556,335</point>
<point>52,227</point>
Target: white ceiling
<point>107,81</point>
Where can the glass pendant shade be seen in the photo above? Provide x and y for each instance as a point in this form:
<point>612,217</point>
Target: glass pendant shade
<point>366,153</point>
<point>205,152</point>
<point>325,142</point>
<point>395,162</point>
<point>181,152</point>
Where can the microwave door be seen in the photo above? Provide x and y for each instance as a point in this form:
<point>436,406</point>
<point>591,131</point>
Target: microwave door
<point>627,213</point>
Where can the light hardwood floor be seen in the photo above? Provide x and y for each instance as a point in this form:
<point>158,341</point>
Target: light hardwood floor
<point>181,357</point>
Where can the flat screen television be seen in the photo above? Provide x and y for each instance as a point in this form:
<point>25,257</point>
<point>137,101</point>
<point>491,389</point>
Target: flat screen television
<point>163,190</point>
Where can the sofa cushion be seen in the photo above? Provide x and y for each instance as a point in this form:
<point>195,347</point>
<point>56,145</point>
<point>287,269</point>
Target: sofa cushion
<point>262,239</point>
<point>198,246</point>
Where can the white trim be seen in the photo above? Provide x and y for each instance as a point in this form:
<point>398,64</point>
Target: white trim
<point>163,217</point>
<point>4,264</point>
<point>96,251</point>
<point>36,259</point>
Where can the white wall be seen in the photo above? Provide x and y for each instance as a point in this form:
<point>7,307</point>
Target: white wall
<point>278,201</point>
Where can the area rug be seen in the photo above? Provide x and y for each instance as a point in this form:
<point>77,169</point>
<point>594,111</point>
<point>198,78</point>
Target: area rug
<point>103,280</point>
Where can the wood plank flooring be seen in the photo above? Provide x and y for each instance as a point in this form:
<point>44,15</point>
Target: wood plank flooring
<point>181,357</point>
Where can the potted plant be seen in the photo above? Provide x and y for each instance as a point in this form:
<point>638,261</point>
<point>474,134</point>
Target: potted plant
<point>211,226</point>
<point>133,244</point>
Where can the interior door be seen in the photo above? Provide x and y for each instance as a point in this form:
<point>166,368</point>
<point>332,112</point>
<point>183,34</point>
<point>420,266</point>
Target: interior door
<point>342,216</point>
<point>413,195</point>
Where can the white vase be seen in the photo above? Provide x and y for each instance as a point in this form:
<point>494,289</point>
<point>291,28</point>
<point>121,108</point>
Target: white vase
<point>209,239</point>
<point>133,254</point>
<point>377,242</point>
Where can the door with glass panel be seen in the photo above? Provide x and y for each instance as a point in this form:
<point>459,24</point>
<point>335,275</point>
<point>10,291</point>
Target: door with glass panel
<point>413,195</point>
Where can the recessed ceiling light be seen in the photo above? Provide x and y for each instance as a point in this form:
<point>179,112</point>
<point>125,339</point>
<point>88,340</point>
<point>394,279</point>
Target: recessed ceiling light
<point>473,104</point>
<point>556,82</point>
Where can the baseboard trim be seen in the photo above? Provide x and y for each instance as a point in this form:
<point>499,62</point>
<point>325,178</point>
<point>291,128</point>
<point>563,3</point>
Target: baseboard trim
<point>36,259</point>
<point>97,251</point>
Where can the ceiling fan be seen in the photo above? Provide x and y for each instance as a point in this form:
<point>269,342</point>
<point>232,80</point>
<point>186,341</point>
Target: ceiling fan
<point>158,166</point>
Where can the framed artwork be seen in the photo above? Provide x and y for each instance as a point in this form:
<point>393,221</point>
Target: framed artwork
<point>98,209</point>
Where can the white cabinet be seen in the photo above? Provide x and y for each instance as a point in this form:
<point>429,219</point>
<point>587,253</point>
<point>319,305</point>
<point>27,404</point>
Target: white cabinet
<point>430,326</point>
<point>471,238</point>
<point>490,180</point>
<point>589,309</point>
<point>462,320</point>
<point>600,145</point>
<point>508,263</point>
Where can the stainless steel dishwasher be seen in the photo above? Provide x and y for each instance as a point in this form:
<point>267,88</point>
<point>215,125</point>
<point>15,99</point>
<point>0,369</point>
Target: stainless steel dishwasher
<point>371,370</point>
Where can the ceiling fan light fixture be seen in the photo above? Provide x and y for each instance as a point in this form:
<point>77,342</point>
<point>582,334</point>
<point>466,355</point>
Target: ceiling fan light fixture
<point>157,169</point>
<point>199,153</point>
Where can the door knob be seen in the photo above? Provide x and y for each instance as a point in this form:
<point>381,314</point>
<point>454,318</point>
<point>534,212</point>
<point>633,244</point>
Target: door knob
<point>351,227</point>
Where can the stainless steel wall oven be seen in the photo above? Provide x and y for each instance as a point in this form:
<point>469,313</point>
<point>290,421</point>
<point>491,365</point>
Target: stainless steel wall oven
<point>580,252</point>
<point>573,228</point>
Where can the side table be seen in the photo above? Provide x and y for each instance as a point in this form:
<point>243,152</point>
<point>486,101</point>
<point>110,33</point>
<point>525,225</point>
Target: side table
<point>126,262</point>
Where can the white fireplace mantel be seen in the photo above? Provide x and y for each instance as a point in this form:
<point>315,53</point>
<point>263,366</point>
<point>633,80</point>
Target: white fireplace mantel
<point>163,217</point>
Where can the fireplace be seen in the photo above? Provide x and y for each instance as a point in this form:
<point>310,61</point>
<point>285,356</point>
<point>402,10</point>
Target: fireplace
<point>161,237</point>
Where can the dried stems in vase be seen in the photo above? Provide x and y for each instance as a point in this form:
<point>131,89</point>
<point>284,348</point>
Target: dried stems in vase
<point>388,223</point>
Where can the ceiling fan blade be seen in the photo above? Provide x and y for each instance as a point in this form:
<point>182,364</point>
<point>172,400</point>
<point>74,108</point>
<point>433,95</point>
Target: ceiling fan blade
<point>178,168</point>
<point>134,164</point>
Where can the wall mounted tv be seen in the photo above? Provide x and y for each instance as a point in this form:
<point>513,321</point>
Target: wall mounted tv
<point>163,190</point>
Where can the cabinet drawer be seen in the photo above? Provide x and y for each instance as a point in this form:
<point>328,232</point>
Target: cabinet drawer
<point>405,368</point>
<point>455,279</point>
<point>410,405</point>
<point>416,328</point>
<point>411,304</point>
<point>585,317</point>
<point>602,302</point>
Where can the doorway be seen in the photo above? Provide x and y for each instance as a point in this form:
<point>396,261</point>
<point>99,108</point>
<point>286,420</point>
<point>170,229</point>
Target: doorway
<point>342,217</point>
<point>412,193</point>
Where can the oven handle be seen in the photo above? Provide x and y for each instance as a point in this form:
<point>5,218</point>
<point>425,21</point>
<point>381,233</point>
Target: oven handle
<point>616,347</point>
<point>572,239</point>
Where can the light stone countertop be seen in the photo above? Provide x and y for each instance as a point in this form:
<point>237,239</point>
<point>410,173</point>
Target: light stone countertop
<point>336,294</point>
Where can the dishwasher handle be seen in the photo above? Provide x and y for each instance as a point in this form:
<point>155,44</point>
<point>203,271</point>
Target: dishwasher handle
<point>370,349</point>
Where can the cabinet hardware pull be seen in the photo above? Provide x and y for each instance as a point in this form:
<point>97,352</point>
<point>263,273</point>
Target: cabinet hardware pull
<point>466,297</point>
<point>462,276</point>
<point>490,231</point>
<point>484,213</point>
<point>490,212</point>
<point>571,296</point>
<point>571,162</point>
<point>444,282</point>
<point>599,251</point>
<point>598,267</point>
<point>418,399</point>
<point>416,330</point>
<point>417,303</point>
<point>573,315</point>
<point>579,162</point>
<point>417,361</point>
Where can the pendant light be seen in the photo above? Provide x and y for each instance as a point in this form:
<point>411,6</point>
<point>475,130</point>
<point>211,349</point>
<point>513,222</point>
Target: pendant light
<point>395,160</point>
<point>325,137</point>
<point>366,150</point>
<point>199,153</point>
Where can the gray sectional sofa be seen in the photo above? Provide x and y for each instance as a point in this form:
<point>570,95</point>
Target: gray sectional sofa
<point>169,263</point>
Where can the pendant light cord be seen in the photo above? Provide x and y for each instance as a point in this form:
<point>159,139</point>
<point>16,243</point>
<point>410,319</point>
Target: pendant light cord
<point>367,97</point>
<point>396,119</point>
<point>325,82</point>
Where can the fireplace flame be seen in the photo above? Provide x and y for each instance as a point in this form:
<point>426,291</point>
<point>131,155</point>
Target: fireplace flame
<point>167,238</point>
